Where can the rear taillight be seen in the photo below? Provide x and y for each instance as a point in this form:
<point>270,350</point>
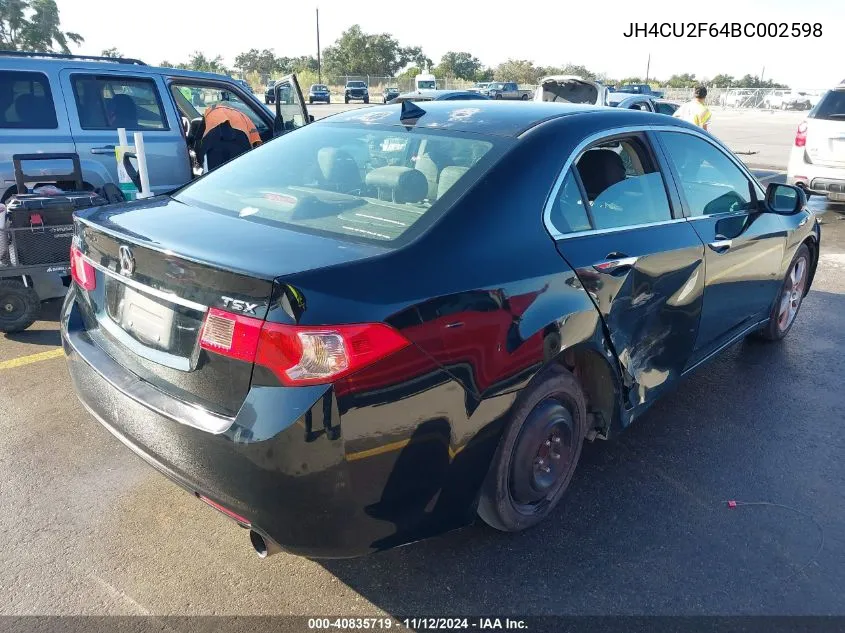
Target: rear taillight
<point>299,354</point>
<point>82,272</point>
<point>801,135</point>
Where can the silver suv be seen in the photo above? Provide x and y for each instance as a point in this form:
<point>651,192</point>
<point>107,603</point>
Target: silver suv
<point>70,104</point>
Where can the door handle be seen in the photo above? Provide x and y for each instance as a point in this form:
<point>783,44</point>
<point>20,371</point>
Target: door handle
<point>614,262</point>
<point>106,149</point>
<point>721,244</point>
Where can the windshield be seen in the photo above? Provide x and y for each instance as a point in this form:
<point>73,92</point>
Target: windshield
<point>318,87</point>
<point>495,86</point>
<point>357,182</point>
<point>356,84</point>
<point>832,106</point>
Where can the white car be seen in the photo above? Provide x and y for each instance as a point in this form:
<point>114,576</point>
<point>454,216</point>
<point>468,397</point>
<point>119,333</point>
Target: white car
<point>738,98</point>
<point>817,160</point>
<point>571,89</point>
<point>786,99</point>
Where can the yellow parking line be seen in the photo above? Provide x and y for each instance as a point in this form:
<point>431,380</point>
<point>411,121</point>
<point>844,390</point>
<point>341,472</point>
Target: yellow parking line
<point>32,358</point>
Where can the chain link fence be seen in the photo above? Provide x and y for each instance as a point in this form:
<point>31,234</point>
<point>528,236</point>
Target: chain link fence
<point>760,98</point>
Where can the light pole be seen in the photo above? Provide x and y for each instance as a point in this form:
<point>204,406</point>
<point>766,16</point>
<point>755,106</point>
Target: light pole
<point>319,62</point>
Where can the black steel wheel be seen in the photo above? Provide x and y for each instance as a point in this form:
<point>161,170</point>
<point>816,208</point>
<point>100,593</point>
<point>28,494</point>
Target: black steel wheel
<point>537,455</point>
<point>19,306</point>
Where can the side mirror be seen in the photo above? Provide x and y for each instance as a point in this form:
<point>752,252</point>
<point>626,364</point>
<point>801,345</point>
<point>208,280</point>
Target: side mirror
<point>785,199</point>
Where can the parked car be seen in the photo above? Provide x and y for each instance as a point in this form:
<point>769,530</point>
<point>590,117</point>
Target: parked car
<point>787,99</point>
<point>268,93</point>
<point>571,89</point>
<point>506,90</point>
<point>439,95</point>
<point>628,101</point>
<point>817,159</point>
<point>640,89</point>
<point>76,104</point>
<point>302,373</point>
<point>356,91</point>
<point>390,93</point>
<point>480,86</point>
<point>666,106</point>
<point>319,92</point>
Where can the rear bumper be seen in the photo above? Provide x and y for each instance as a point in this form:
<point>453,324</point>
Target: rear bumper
<point>289,482</point>
<point>815,176</point>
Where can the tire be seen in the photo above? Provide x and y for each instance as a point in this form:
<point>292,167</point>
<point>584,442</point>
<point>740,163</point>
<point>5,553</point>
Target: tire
<point>266,100</point>
<point>524,97</point>
<point>19,306</point>
<point>310,101</point>
<point>498,97</point>
<point>366,100</point>
<point>519,491</point>
<point>346,99</point>
<point>780,324</point>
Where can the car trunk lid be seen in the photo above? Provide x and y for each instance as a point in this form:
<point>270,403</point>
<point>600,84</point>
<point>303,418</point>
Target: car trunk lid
<point>161,266</point>
<point>571,89</point>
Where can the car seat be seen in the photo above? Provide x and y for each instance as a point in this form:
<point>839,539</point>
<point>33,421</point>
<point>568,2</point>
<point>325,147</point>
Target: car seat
<point>398,184</point>
<point>124,112</point>
<point>338,171</point>
<point>448,177</point>
<point>599,170</point>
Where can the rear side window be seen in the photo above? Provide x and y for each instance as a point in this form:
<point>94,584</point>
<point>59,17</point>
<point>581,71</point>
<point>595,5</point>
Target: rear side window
<point>26,101</point>
<point>110,102</point>
<point>357,181</point>
<point>622,186</point>
<point>831,106</point>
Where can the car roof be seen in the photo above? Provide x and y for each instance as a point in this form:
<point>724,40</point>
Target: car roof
<point>485,117</point>
<point>44,63</point>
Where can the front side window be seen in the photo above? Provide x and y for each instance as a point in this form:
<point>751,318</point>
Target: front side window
<point>623,187</point>
<point>347,181</point>
<point>109,102</point>
<point>193,100</point>
<point>710,181</point>
<point>26,101</point>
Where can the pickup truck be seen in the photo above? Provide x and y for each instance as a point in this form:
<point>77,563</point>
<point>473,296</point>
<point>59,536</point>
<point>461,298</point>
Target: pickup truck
<point>640,89</point>
<point>506,90</point>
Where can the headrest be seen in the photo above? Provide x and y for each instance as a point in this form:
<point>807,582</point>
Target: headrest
<point>404,183</point>
<point>336,164</point>
<point>448,177</point>
<point>599,169</point>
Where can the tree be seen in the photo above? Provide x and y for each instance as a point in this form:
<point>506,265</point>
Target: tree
<point>33,25</point>
<point>262,62</point>
<point>460,65</point>
<point>111,52</point>
<point>359,53</point>
<point>723,81</point>
<point>521,71</point>
<point>685,80</point>
<point>484,74</point>
<point>198,61</point>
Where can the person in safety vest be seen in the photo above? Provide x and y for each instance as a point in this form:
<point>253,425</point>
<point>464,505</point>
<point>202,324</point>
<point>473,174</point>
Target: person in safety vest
<point>695,111</point>
<point>217,113</point>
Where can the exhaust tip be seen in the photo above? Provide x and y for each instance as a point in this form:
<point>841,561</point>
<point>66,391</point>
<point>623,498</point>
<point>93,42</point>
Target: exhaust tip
<point>258,544</point>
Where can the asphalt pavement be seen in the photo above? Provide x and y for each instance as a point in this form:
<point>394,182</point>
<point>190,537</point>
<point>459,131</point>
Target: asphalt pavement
<point>645,529</point>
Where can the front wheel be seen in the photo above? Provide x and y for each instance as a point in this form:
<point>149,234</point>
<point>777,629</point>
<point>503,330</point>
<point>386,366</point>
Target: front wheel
<point>524,97</point>
<point>367,100</point>
<point>789,299</point>
<point>346,99</point>
<point>537,455</point>
<point>19,306</point>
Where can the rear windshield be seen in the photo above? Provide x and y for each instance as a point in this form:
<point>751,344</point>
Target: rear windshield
<point>360,182</point>
<point>832,106</point>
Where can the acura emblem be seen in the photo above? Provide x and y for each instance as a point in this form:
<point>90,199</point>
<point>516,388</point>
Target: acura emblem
<point>127,261</point>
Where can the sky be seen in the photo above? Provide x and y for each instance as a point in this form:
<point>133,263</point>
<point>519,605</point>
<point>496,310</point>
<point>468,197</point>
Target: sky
<point>549,33</point>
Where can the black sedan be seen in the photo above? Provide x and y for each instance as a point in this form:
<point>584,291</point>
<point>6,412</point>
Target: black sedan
<point>439,95</point>
<point>385,323</point>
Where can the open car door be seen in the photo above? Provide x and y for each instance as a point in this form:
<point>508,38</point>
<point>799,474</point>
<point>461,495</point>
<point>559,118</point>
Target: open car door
<point>291,112</point>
